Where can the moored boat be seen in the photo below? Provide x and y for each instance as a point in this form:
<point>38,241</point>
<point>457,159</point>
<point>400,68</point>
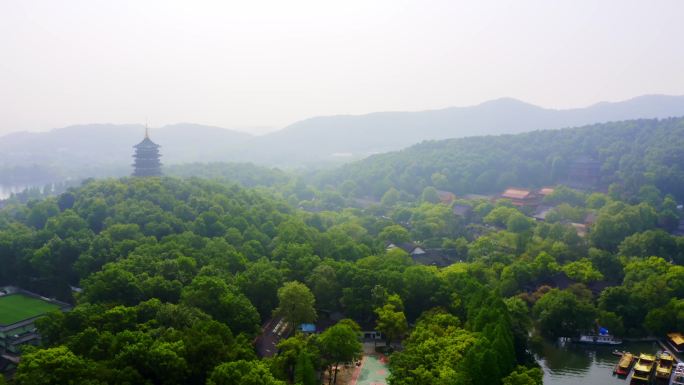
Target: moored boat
<point>643,368</point>
<point>664,367</point>
<point>625,363</point>
<point>676,340</point>
<point>678,376</point>
<point>599,339</point>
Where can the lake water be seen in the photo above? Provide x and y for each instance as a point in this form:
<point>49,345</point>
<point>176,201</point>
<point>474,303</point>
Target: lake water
<point>573,364</point>
<point>6,191</point>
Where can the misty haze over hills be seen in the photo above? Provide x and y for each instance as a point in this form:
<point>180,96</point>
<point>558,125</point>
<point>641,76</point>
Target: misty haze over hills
<point>320,138</point>
<point>105,149</point>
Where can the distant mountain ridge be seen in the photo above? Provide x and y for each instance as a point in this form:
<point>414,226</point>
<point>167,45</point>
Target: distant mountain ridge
<point>82,150</point>
<point>629,153</point>
<point>112,144</point>
<point>363,135</point>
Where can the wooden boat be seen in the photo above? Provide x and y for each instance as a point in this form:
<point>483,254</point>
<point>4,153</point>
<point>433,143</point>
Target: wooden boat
<point>676,340</point>
<point>678,376</point>
<point>625,363</point>
<point>664,367</point>
<point>643,368</point>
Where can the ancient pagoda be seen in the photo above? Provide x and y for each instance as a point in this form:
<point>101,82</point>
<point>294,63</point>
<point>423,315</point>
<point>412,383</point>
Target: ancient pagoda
<point>146,157</point>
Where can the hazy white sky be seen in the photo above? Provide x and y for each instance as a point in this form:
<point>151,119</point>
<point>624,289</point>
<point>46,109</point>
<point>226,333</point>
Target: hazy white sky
<point>269,63</point>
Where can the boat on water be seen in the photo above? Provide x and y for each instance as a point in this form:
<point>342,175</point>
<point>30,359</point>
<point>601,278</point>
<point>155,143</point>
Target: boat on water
<point>664,367</point>
<point>678,376</point>
<point>624,365</point>
<point>676,340</point>
<point>598,339</point>
<point>643,368</point>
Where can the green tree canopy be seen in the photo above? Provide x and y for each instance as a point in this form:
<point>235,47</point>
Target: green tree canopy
<point>562,314</point>
<point>55,366</point>
<point>243,373</point>
<point>395,234</point>
<point>296,304</point>
<point>524,376</point>
<point>339,344</point>
<point>391,320</point>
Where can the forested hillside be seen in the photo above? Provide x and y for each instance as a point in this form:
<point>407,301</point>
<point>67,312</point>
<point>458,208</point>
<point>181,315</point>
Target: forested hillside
<point>103,150</point>
<point>178,275</point>
<point>629,154</point>
<point>244,174</point>
<point>341,193</point>
<point>318,138</point>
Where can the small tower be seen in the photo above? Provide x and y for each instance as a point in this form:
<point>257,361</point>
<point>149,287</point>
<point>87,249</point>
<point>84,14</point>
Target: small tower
<point>146,157</point>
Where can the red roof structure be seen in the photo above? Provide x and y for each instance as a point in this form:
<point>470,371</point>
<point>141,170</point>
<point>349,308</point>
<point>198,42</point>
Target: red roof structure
<point>521,197</point>
<point>515,193</point>
<point>446,197</point>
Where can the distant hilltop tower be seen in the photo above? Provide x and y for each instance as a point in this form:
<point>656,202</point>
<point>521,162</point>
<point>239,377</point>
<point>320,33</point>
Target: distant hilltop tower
<point>146,157</point>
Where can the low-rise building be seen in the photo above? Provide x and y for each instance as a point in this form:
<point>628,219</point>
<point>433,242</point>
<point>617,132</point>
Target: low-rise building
<point>581,229</point>
<point>522,197</point>
<point>446,197</point>
<point>541,212</point>
<point>546,191</point>
<point>436,257</point>
<point>410,248</point>
<point>307,328</point>
<point>19,309</point>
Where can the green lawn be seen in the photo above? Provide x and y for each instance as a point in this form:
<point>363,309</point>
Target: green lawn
<point>18,307</point>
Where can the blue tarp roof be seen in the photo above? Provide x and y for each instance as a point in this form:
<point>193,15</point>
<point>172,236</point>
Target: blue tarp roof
<point>307,328</point>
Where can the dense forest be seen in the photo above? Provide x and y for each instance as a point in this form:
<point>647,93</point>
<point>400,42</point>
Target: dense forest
<point>630,154</point>
<point>173,270</point>
<point>172,278</point>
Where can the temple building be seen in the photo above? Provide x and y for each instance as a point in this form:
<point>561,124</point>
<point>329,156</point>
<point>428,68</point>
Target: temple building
<point>522,197</point>
<point>146,157</point>
<point>584,174</point>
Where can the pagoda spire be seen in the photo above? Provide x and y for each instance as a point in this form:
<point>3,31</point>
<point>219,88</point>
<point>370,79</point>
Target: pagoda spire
<point>146,157</point>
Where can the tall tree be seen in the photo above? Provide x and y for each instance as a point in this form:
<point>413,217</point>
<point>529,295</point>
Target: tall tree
<point>305,373</point>
<point>323,283</point>
<point>391,319</point>
<point>296,304</point>
<point>562,314</point>
<point>243,373</point>
<point>338,344</point>
<point>54,366</point>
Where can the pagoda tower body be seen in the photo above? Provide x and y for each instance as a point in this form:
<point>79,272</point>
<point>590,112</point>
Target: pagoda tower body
<point>146,157</point>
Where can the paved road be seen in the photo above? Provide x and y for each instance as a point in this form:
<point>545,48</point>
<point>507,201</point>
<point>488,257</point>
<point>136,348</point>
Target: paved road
<point>271,333</point>
<point>373,371</point>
